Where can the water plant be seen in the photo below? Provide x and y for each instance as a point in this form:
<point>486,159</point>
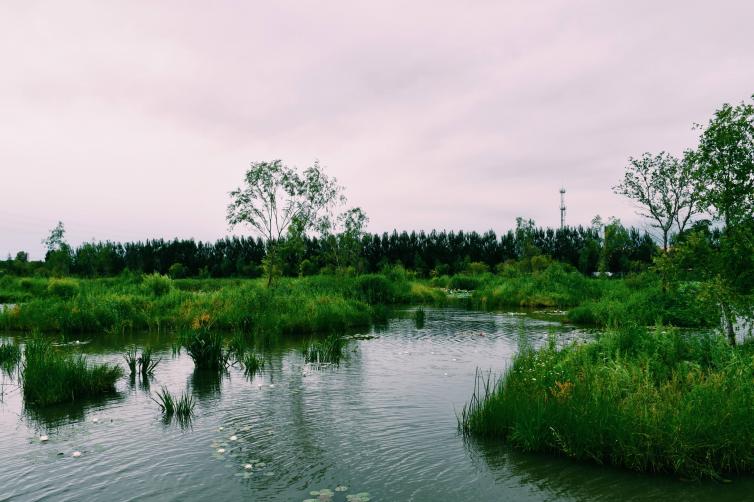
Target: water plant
<point>205,348</point>
<point>10,355</point>
<point>329,350</point>
<point>419,318</point>
<point>252,363</point>
<point>182,407</point>
<point>147,362</point>
<point>131,359</point>
<point>50,376</point>
<point>655,400</point>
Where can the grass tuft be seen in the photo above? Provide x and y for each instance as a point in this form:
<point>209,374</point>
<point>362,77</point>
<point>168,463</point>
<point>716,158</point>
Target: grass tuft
<point>327,351</point>
<point>50,376</point>
<point>655,400</point>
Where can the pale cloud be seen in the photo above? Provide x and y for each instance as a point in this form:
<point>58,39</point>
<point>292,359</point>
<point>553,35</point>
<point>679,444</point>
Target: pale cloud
<point>133,120</point>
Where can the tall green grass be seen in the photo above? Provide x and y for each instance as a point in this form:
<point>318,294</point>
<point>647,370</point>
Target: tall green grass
<point>206,349</point>
<point>50,376</point>
<point>329,350</point>
<point>182,407</point>
<point>10,356</point>
<point>649,400</point>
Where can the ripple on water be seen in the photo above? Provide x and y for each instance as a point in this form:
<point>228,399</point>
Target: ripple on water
<point>382,423</point>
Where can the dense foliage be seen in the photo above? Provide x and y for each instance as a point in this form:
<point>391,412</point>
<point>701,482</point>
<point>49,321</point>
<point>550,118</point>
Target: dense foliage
<point>650,400</point>
<point>624,250</point>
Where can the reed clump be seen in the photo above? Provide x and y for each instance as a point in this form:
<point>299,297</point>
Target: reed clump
<point>329,350</point>
<point>205,347</point>
<point>50,376</point>
<point>10,355</point>
<point>655,400</point>
<point>182,407</point>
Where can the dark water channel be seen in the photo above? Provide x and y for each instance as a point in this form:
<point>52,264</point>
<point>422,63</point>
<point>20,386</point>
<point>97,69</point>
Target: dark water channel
<point>382,423</point>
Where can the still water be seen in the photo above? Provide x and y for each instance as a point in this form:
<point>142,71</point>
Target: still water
<point>383,423</point>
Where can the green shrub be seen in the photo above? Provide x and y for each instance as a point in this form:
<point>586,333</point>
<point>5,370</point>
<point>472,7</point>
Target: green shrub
<point>464,282</point>
<point>177,271</point>
<point>157,285</point>
<point>375,289</point>
<point>63,288</point>
<point>477,268</point>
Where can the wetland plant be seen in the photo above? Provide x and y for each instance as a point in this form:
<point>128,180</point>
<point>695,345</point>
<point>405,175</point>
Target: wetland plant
<point>131,359</point>
<point>651,400</point>
<point>182,407</point>
<point>205,348</point>
<point>10,355</point>
<point>327,351</point>
<point>252,363</point>
<point>147,362</point>
<point>419,317</point>
<point>50,376</point>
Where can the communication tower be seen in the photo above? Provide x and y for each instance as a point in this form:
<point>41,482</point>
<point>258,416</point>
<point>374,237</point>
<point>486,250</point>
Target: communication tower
<point>562,208</point>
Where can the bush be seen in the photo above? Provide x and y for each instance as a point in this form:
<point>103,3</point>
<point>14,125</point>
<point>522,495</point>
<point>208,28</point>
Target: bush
<point>177,271</point>
<point>63,288</point>
<point>157,285</point>
<point>464,282</point>
<point>375,289</point>
<point>477,268</point>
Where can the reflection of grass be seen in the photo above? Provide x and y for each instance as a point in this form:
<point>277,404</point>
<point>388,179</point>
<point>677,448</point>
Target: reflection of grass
<point>657,401</point>
<point>50,376</point>
<point>327,351</point>
<point>10,355</point>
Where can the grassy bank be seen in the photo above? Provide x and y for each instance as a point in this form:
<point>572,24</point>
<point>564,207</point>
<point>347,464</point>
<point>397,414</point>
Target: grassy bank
<point>329,303</point>
<point>311,304</point>
<point>649,400</point>
<point>50,376</point>
<point>639,298</point>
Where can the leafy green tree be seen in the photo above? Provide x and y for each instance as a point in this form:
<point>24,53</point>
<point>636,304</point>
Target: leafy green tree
<point>58,256</point>
<point>662,187</point>
<point>273,196</point>
<point>724,175</point>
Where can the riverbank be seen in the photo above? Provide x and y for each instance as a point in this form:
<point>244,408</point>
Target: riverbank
<point>328,303</point>
<point>649,400</point>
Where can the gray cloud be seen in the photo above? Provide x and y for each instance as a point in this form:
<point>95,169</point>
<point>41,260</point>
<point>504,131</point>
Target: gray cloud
<point>133,120</point>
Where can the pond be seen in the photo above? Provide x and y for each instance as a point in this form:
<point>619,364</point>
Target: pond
<point>382,423</point>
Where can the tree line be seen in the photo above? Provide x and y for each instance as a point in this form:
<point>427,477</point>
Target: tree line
<point>609,248</point>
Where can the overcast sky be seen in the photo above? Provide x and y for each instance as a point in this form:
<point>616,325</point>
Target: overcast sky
<point>132,120</point>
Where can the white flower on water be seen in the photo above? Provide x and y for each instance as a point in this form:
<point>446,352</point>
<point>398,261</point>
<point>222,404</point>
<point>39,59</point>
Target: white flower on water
<point>247,467</point>
<point>221,450</point>
<point>76,454</point>
<point>233,438</point>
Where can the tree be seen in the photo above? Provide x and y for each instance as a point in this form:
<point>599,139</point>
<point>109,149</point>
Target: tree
<point>342,238</point>
<point>274,196</point>
<point>58,256</point>
<point>662,186</point>
<point>724,174</point>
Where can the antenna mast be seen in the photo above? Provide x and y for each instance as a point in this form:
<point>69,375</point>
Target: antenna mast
<point>562,207</point>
